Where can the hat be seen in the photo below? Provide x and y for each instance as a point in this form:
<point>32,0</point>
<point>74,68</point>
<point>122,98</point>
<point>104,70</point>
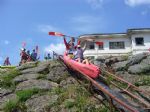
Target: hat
<point>78,46</point>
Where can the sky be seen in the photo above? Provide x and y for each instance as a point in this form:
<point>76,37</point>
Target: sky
<point>30,21</point>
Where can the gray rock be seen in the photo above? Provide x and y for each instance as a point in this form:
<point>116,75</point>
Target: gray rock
<point>3,70</point>
<point>25,77</point>
<point>136,59</point>
<point>57,74</point>
<point>119,66</point>
<point>5,99</point>
<point>27,65</point>
<point>41,68</point>
<point>67,82</point>
<point>128,77</point>
<point>139,68</point>
<point>40,84</point>
<point>4,92</point>
<point>39,103</point>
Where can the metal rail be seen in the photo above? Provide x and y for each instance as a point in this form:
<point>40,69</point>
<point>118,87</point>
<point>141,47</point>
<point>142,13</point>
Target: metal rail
<point>101,88</point>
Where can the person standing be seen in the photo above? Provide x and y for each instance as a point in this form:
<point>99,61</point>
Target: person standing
<point>7,62</point>
<point>34,55</point>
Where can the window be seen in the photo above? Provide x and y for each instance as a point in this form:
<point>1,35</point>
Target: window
<point>101,47</point>
<point>91,46</point>
<point>139,41</point>
<point>116,45</point>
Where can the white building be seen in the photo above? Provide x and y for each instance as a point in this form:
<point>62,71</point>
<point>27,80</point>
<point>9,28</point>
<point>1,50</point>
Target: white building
<point>134,41</point>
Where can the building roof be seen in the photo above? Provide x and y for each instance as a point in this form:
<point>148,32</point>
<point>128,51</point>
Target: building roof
<point>105,35</point>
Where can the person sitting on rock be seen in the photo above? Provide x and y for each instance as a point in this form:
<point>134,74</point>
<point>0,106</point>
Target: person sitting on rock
<point>7,62</point>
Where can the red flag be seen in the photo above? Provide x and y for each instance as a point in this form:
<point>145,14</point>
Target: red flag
<point>99,43</point>
<point>56,34</point>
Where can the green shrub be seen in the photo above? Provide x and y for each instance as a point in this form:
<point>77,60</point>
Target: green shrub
<point>26,94</point>
<point>14,106</point>
<point>7,79</point>
<point>143,81</point>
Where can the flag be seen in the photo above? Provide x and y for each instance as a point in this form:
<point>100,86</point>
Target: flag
<point>37,49</point>
<point>99,43</point>
<point>23,44</point>
<point>56,34</point>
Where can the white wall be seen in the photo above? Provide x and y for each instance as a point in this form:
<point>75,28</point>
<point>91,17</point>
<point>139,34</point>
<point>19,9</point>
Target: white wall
<point>106,50</point>
<point>139,49</point>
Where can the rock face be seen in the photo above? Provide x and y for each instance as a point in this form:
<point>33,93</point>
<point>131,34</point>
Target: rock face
<point>40,84</point>
<point>39,103</point>
<point>48,86</point>
<point>57,74</point>
<point>27,65</point>
<point>25,77</point>
<point>120,66</point>
<point>136,59</point>
<point>5,99</point>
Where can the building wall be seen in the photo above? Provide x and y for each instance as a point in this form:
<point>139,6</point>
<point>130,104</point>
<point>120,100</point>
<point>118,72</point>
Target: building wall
<point>106,51</point>
<point>139,49</point>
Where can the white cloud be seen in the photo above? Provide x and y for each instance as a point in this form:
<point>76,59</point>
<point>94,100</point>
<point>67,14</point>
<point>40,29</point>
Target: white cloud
<point>58,48</point>
<point>95,4</point>
<point>88,24</point>
<point>134,3</point>
<point>6,42</point>
<point>47,28</point>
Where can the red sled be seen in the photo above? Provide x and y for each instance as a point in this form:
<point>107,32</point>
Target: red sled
<point>90,69</point>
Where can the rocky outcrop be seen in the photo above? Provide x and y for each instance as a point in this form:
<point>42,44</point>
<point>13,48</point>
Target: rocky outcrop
<point>27,65</point>
<point>39,84</point>
<point>5,99</point>
<point>120,66</point>
<point>136,59</point>
<point>57,74</point>
<point>39,103</point>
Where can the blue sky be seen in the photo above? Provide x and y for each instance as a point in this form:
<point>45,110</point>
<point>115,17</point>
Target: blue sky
<point>30,21</point>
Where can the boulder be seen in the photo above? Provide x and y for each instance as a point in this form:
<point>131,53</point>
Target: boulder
<point>40,84</point>
<point>25,77</point>
<point>39,103</point>
<point>4,92</point>
<point>5,99</point>
<point>120,66</point>
<point>68,81</point>
<point>136,59</point>
<point>41,68</point>
<point>139,68</point>
<point>57,74</point>
<point>27,65</point>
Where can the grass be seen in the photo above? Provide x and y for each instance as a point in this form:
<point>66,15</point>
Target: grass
<point>143,81</point>
<point>14,106</point>
<point>75,97</point>
<point>19,103</point>
<point>6,81</point>
<point>26,94</point>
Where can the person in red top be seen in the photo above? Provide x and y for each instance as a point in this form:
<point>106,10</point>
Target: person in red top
<point>70,47</point>
<point>7,62</point>
<point>24,56</point>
